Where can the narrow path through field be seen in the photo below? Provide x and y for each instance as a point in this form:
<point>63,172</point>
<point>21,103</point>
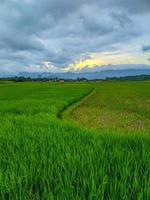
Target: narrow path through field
<point>67,111</point>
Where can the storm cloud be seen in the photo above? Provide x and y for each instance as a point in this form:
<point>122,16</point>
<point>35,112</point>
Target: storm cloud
<point>60,32</point>
<point>146,48</point>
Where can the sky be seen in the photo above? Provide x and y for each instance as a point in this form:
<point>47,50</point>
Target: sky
<point>65,35</point>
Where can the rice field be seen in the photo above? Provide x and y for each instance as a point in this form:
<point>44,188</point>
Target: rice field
<point>123,107</point>
<point>81,156</point>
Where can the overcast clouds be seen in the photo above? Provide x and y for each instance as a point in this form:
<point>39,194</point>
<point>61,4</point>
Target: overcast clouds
<point>54,34</point>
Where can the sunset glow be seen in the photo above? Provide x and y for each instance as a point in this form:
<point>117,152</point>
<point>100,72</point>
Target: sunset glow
<point>108,58</point>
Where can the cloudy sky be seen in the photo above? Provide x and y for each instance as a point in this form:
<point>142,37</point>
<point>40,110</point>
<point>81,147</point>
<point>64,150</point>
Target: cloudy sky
<point>62,35</point>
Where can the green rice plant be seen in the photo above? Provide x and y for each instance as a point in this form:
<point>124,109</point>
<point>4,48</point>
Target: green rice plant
<point>43,157</point>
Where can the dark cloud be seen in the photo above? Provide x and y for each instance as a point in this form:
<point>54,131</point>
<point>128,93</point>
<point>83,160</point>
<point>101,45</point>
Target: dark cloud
<point>146,48</point>
<point>131,6</point>
<point>122,19</point>
<point>60,31</point>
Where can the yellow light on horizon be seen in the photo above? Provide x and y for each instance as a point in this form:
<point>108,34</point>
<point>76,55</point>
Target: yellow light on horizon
<point>91,62</point>
<point>107,58</point>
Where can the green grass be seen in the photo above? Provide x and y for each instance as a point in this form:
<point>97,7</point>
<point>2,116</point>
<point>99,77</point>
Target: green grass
<point>5,82</point>
<point>43,157</point>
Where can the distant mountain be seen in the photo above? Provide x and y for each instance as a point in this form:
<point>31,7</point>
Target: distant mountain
<point>88,75</point>
<point>74,75</point>
<point>67,75</point>
<point>115,67</point>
